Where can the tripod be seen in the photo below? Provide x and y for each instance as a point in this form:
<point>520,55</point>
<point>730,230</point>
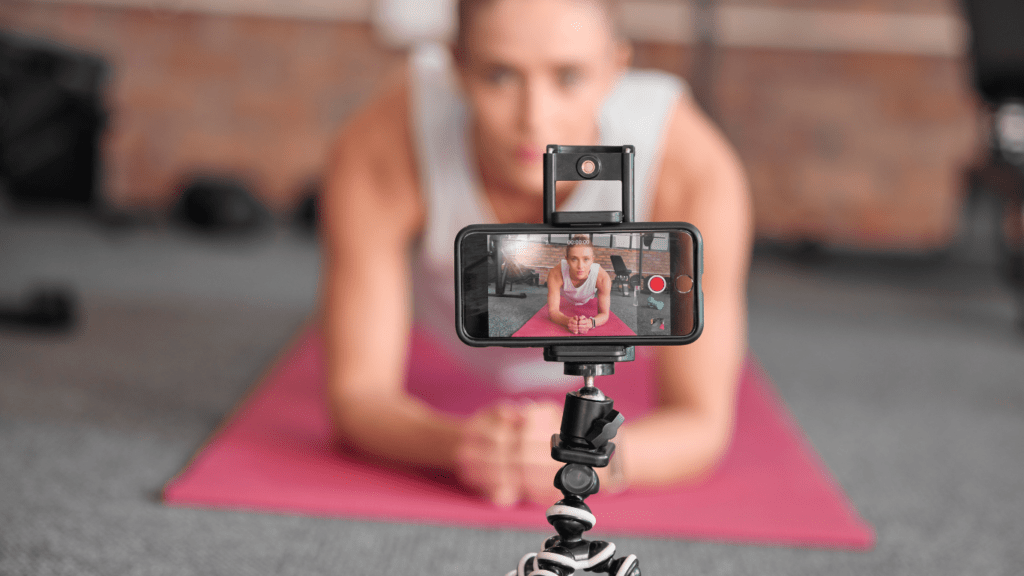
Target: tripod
<point>589,422</point>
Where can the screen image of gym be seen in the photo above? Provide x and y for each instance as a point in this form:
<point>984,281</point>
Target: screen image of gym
<point>530,274</point>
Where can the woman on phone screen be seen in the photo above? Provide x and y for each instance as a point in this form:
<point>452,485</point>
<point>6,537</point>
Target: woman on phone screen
<point>574,285</point>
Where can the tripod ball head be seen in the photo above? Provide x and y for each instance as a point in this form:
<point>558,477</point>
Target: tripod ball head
<point>588,422</point>
<point>577,480</point>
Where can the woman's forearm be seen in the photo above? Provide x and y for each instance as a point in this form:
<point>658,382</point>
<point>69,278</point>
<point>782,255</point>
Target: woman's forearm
<point>398,430</point>
<point>668,446</point>
<point>558,318</point>
<point>691,429</point>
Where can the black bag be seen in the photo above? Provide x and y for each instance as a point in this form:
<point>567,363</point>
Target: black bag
<point>220,204</point>
<point>51,117</point>
<point>997,48</point>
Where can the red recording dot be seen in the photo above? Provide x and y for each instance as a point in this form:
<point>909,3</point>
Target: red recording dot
<point>656,284</point>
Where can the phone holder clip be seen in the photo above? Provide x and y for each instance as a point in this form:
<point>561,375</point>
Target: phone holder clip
<point>565,163</point>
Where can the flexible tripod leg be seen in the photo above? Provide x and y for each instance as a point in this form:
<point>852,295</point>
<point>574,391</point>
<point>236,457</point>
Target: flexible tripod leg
<point>569,552</point>
<point>588,423</point>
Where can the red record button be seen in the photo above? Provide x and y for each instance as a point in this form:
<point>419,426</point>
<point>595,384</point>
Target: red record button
<point>656,284</point>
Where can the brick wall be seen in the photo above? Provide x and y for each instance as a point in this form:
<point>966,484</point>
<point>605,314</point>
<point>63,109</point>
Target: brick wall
<point>857,149</point>
<point>257,97</point>
<point>906,6</point>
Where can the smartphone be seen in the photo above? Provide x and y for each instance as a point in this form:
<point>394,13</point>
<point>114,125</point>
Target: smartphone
<point>522,285</point>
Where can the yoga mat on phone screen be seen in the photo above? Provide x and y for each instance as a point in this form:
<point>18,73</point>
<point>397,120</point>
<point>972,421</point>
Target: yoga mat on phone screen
<point>274,453</point>
<point>540,324</point>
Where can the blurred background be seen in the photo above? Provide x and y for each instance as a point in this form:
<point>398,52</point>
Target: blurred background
<point>854,118</point>
<point>159,165</point>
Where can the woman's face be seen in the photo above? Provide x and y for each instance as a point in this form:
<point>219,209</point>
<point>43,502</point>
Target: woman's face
<point>536,72</point>
<point>580,258</point>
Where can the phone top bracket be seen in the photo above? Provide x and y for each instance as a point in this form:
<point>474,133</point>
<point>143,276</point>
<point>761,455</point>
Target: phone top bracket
<point>564,163</point>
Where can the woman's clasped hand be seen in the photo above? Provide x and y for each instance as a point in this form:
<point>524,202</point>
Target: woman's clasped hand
<point>504,452</point>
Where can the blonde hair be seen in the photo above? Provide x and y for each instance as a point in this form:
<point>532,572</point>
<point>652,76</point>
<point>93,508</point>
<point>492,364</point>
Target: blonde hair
<point>579,240</point>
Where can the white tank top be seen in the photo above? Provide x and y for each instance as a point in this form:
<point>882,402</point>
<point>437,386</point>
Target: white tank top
<point>636,112</point>
<point>581,294</point>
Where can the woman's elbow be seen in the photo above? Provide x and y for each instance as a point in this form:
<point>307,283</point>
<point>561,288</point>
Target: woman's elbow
<point>705,451</point>
<point>717,437</point>
<point>719,440</point>
<point>348,417</point>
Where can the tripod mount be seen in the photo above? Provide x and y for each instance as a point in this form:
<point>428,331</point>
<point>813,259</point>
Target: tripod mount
<point>589,420</point>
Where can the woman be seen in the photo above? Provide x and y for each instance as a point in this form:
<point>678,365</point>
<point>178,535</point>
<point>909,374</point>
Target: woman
<point>460,141</point>
<point>573,286</point>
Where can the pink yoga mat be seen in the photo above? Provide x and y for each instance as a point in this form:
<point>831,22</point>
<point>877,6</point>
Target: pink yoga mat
<point>541,325</point>
<point>275,454</point>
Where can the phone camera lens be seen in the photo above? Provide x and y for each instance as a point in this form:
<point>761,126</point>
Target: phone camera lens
<point>588,166</point>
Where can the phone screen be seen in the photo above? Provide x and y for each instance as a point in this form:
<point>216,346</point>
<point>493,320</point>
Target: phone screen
<point>631,286</point>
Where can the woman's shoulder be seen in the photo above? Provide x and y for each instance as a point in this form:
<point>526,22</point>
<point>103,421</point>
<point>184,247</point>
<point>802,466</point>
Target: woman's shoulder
<point>373,158</point>
<point>555,274</point>
<point>381,124</point>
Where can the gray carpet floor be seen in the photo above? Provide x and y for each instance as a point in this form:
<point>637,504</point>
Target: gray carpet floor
<point>907,375</point>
